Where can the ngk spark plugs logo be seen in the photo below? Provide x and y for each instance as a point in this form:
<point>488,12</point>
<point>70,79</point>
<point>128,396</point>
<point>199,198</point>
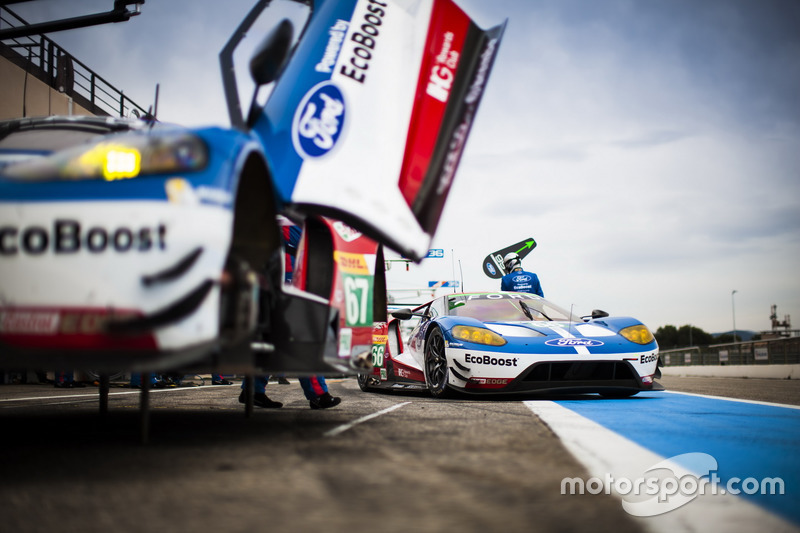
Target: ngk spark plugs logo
<point>443,70</point>
<point>318,121</point>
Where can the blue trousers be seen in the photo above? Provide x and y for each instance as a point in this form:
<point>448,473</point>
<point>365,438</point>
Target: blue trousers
<point>313,386</point>
<point>260,384</point>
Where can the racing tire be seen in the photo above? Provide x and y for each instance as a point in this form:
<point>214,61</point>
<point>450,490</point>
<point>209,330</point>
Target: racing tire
<point>362,382</point>
<point>436,372</point>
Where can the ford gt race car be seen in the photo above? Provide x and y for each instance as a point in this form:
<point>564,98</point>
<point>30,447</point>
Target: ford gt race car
<point>512,342</point>
<point>128,245</point>
<point>134,245</point>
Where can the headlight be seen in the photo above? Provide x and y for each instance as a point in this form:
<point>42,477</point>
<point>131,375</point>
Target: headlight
<point>478,335</point>
<point>114,161</point>
<point>638,334</point>
<point>118,157</point>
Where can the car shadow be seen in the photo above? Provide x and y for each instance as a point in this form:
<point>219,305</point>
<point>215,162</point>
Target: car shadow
<point>518,396</point>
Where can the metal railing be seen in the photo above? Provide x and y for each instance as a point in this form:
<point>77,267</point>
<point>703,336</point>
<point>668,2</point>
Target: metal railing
<point>780,351</point>
<point>46,60</point>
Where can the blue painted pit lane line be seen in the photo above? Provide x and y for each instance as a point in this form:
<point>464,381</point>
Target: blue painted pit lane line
<point>748,439</point>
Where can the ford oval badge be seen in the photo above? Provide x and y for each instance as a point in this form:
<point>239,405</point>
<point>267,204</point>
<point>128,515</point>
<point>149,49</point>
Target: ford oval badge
<point>573,342</point>
<point>318,120</point>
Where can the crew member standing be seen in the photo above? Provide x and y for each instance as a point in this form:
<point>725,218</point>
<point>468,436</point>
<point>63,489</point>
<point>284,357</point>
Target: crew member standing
<point>519,280</point>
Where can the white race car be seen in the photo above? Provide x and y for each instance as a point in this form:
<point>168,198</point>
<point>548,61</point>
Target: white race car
<point>509,342</point>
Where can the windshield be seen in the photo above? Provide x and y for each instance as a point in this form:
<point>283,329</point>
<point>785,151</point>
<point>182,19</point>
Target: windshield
<point>505,307</point>
<point>32,138</point>
<point>44,141</point>
<point>114,157</point>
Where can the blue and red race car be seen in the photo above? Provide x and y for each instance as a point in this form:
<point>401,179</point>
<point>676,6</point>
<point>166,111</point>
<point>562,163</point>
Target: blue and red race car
<point>509,342</point>
<point>138,246</point>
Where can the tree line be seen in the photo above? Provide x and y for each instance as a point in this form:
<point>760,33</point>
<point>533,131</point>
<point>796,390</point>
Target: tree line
<point>669,337</point>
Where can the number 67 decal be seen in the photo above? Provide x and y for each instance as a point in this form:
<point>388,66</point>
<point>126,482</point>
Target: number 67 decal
<point>357,292</point>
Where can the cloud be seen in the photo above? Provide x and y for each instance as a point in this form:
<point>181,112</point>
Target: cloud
<point>651,138</point>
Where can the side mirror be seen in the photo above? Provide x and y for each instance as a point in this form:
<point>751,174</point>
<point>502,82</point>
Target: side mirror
<point>405,314</point>
<point>598,313</point>
<point>270,56</point>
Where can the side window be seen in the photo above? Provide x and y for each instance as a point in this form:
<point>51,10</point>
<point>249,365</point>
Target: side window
<point>410,327</point>
<point>436,308</point>
<point>407,327</point>
<point>395,341</point>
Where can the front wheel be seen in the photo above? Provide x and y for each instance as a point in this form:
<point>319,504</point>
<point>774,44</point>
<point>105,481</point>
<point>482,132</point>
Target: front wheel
<point>363,379</point>
<point>436,372</point>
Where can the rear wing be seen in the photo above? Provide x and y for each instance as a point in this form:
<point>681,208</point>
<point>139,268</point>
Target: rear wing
<point>370,116</point>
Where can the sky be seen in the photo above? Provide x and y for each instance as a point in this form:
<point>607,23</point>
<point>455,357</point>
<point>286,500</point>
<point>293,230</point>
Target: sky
<point>650,147</point>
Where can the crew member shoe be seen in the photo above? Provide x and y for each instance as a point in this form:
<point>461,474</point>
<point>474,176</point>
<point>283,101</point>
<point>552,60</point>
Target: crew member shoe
<point>282,380</point>
<point>261,400</point>
<point>324,401</point>
<point>223,381</point>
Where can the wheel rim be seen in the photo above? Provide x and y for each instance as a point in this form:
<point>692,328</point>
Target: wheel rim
<point>436,362</point>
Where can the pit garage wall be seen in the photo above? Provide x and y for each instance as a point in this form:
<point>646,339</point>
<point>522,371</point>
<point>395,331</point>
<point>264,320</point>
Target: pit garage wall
<point>734,371</point>
<point>40,99</point>
<point>776,357</point>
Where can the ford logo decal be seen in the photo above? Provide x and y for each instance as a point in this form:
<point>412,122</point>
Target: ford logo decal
<point>318,120</point>
<point>573,342</point>
<point>490,268</point>
<point>517,279</point>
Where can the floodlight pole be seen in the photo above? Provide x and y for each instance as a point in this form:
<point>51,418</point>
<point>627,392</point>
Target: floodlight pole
<point>733,309</point>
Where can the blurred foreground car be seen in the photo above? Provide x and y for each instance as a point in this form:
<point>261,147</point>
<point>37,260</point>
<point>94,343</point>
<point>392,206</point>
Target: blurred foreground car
<point>132,245</point>
<point>493,343</point>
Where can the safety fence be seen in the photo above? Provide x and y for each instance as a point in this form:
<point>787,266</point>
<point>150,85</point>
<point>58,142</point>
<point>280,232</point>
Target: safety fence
<point>47,61</point>
<point>779,351</point>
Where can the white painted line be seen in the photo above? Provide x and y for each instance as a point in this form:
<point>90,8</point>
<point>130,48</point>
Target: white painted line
<point>605,453</point>
<point>97,394</point>
<point>340,429</point>
<point>50,403</point>
<point>788,406</point>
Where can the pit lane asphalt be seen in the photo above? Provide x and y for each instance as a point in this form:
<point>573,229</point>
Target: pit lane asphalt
<point>387,462</point>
